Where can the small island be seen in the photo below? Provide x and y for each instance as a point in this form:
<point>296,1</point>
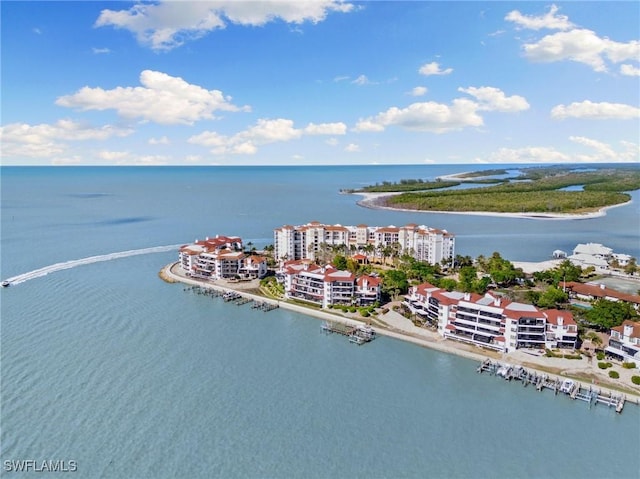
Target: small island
<point>562,192</point>
<point>554,319</point>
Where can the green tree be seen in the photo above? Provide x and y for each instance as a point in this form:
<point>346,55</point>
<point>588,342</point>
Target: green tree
<point>605,314</point>
<point>566,271</point>
<point>481,285</point>
<point>461,261</point>
<point>551,298</point>
<point>340,262</point>
<point>631,266</point>
<point>447,283</point>
<point>502,271</point>
<point>394,282</point>
<point>467,276</point>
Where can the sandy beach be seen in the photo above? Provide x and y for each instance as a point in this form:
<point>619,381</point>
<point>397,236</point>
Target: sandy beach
<point>376,201</point>
<point>394,325</point>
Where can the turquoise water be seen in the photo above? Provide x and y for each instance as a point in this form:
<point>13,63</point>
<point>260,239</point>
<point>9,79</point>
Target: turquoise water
<point>107,365</point>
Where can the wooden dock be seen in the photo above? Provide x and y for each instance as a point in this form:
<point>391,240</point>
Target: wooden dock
<point>357,334</point>
<point>568,387</point>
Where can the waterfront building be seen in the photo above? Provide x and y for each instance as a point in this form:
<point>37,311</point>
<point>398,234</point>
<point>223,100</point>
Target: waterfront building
<point>221,257</point>
<point>308,241</point>
<point>490,321</point>
<point>591,292</point>
<point>624,342</point>
<point>593,249</point>
<point>598,256</point>
<point>327,286</point>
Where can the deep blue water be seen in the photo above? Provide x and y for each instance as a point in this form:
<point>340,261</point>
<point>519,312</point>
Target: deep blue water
<point>107,365</point>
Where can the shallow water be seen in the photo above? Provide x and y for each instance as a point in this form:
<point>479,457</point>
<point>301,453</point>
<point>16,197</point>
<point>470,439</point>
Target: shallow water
<point>105,364</point>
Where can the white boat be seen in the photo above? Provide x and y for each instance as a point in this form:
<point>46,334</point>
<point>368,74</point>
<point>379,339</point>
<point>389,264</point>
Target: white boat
<point>6,284</point>
<point>567,386</point>
<point>503,370</point>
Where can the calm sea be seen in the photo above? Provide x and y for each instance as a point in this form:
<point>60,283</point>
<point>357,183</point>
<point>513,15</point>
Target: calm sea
<point>104,364</point>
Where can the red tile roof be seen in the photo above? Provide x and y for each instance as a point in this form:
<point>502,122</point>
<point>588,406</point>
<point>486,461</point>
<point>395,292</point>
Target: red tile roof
<point>635,325</point>
<point>553,315</point>
<point>600,292</point>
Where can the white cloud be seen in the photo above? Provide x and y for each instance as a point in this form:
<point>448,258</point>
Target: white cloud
<point>352,148</point>
<point>595,111</point>
<point>161,98</point>
<point>326,129</point>
<point>67,160</point>
<point>494,99</point>
<point>163,140</point>
<point>603,151</point>
<point>433,68</point>
<point>332,141</point>
<point>582,46</point>
<point>99,51</point>
<point>418,91</point>
<point>168,24</point>
<point>361,80</point>
<point>128,158</point>
<point>535,154</point>
<point>440,118</point>
<point>598,152</point>
<point>629,70</point>
<point>44,140</point>
<point>426,116</point>
<point>113,156</point>
<point>265,131</point>
<point>341,78</point>
<point>549,20</point>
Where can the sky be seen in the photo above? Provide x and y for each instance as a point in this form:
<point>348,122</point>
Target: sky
<point>332,82</point>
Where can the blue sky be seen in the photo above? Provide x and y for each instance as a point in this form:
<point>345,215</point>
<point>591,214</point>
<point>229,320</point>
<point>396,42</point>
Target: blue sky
<point>320,82</point>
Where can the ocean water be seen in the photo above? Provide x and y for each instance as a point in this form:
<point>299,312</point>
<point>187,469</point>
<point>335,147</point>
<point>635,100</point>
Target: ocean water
<point>104,364</point>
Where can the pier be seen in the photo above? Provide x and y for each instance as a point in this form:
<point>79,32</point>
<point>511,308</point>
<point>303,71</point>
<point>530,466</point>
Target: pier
<point>357,334</point>
<point>233,297</point>
<point>568,387</point>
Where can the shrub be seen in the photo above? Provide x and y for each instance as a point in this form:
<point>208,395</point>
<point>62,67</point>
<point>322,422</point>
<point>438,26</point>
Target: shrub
<point>603,365</point>
<point>614,374</point>
<point>630,365</point>
<point>572,356</point>
<point>600,356</point>
<point>635,380</point>
<point>364,312</point>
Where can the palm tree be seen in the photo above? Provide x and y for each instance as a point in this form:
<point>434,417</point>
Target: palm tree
<point>595,339</point>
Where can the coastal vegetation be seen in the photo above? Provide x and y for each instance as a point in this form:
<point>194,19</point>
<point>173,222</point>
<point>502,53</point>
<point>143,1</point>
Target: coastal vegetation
<point>558,189</point>
<point>605,314</point>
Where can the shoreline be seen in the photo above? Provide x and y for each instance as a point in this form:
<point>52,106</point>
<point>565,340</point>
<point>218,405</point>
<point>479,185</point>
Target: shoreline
<point>375,201</point>
<point>396,326</point>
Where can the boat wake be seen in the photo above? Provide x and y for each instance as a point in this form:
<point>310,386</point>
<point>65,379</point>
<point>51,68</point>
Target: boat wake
<point>38,273</point>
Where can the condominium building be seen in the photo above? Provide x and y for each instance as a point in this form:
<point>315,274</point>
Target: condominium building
<point>221,257</point>
<point>624,342</point>
<point>421,242</point>
<point>491,322</point>
<point>326,285</point>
